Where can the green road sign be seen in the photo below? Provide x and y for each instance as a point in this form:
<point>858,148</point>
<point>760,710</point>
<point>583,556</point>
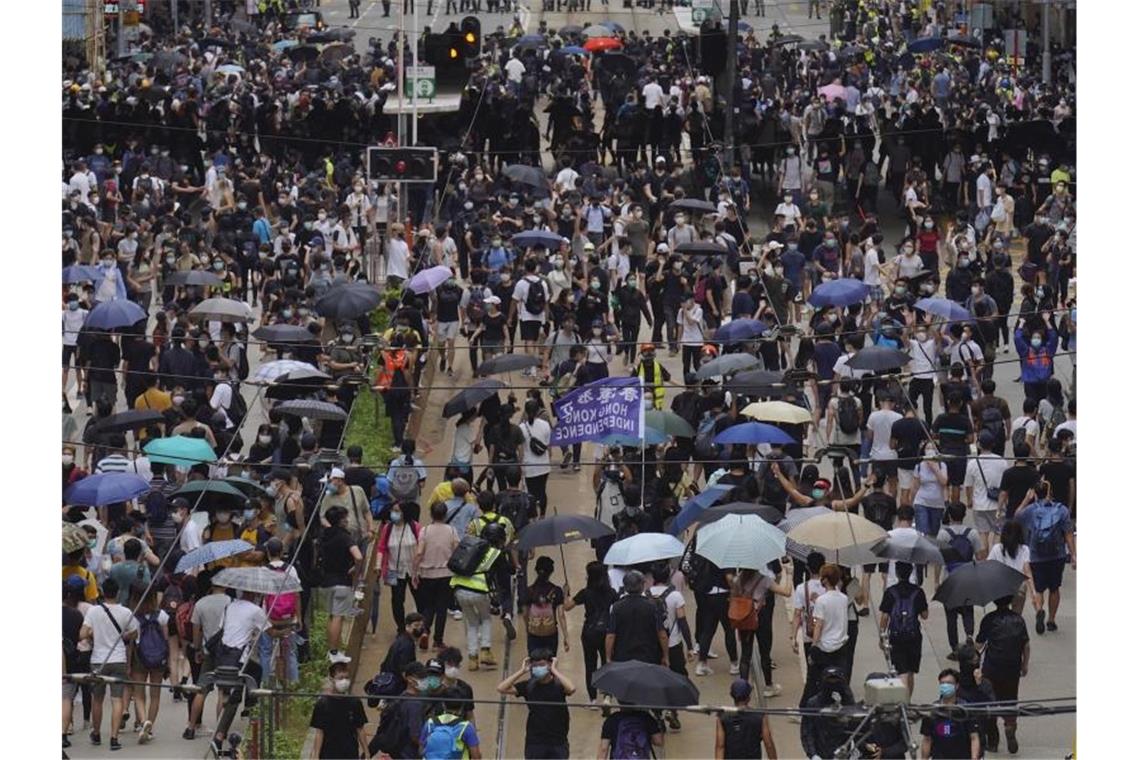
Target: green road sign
<point>423,78</point>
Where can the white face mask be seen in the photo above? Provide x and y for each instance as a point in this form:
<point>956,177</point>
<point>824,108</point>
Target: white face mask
<point>451,672</point>
<point>342,685</point>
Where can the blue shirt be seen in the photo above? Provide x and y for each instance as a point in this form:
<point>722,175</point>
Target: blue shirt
<point>793,265</point>
<point>261,229</point>
<point>1038,511</point>
<point>743,305</point>
<point>497,258</point>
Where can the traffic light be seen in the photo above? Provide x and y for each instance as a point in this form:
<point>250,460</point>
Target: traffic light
<point>714,48</point>
<point>445,52</point>
<point>402,164</point>
<point>471,44</point>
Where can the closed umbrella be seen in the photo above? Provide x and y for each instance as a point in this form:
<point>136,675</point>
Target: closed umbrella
<point>429,279</point>
<point>471,396</point>
<point>257,580</point>
<point>945,308</point>
<point>647,684</point>
<point>844,292</point>
<point>978,584</point>
<point>536,238</point>
<point>909,546</point>
<point>193,277</point>
<point>740,329</point>
<point>313,410</point>
<point>741,541</point>
<point>878,359</point>
<point>643,547</point>
<point>753,433</point>
<point>180,450</point>
<point>132,419</point>
<point>105,488</point>
<point>765,512</point>
<point>497,365</point>
<point>727,364</point>
<point>211,552</point>
<point>111,315</point>
<point>348,301</point>
<point>224,310</point>
<point>693,204</point>
<point>669,423</point>
<point>692,509</point>
<point>270,371</point>
<point>561,529</point>
<point>777,411</point>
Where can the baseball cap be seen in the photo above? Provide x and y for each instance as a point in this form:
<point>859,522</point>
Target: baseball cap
<point>435,666</point>
<point>308,441</point>
<point>74,583</point>
<point>589,246</point>
<point>335,472</point>
<point>338,657</point>
<point>740,689</point>
<point>823,483</point>
<point>492,299</point>
<point>660,160</point>
<point>986,438</point>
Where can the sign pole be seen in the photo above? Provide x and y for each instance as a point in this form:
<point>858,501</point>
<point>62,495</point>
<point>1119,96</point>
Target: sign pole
<point>415,71</point>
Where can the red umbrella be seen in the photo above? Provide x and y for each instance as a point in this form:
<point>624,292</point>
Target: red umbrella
<point>600,44</point>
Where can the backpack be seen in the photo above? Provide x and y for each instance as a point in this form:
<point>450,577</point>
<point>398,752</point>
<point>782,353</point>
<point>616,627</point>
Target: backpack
<point>151,648</point>
<point>700,290</point>
<point>1056,417</point>
<point>903,622</point>
<point>1048,533</point>
<point>238,409</point>
<point>404,483</point>
<point>961,547</point>
<point>445,740</point>
<point>281,606</point>
<point>182,620</point>
<point>700,574</point>
<point>243,361</point>
<point>516,507</point>
<point>535,297</point>
<point>475,308</point>
<point>467,557</point>
<point>632,741</point>
<point>1020,435</point>
<point>1003,647</point>
<point>703,444</point>
<point>540,620</point>
<point>743,614</point>
<point>993,422</point>
<point>391,732</point>
<point>663,606</point>
<point>849,417</point>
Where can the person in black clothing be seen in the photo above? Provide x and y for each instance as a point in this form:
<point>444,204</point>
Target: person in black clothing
<point>631,306</point>
<point>403,648</point>
<point>598,596</point>
<point>356,474</point>
<point>880,508</point>
<point>635,630</point>
<point>970,689</point>
<point>398,734</point>
<point>944,737</point>
<point>999,286</point>
<point>1017,480</point>
<point>74,661</point>
<point>742,736</point>
<point>547,725</point>
<point>340,563</point>
<point>821,735</point>
<point>1006,639</point>
<point>339,722</point>
<point>905,640</point>
<point>451,659</point>
<point>954,433</point>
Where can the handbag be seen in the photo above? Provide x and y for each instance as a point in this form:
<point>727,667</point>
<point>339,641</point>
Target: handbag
<point>537,447</point>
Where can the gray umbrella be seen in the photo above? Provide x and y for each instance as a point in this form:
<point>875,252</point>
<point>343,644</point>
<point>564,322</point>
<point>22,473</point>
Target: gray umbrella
<point>168,59</point>
<point>223,309</point>
<point>257,580</point>
<point>597,30</point>
<point>727,364</point>
<point>194,277</point>
<point>910,546</point>
<point>314,410</point>
<point>348,301</point>
<point>526,175</point>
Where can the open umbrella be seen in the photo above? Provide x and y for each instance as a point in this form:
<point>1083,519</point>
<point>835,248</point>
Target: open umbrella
<point>945,308</point>
<point>753,433</point>
<point>193,277</point>
<point>978,584</point>
<point>601,44</point>
<point>257,580</point>
<point>840,536</point>
<point>537,238</point>
<point>878,359</point>
<point>741,541</point>
<point>212,494</point>
<point>531,42</point>
<point>727,364</point>
<point>597,30</point>
<point>842,292</point>
<point>757,382</point>
<point>230,68</point>
<point>616,62</point>
<point>570,30</point>
<point>693,204</point>
<point>302,53</point>
<point>471,396</point>
<point>702,248</point>
<point>168,59</point>
<point>809,45</point>
<point>925,45</point>
<point>695,506</point>
<point>270,371</point>
<point>526,175</point>
<point>497,365</point>
<point>777,411</point>
<point>336,52</point>
<point>79,273</point>
<point>348,301</point>
<point>561,529</point>
<point>111,315</point>
<point>429,279</point>
<point>964,41</point>
<point>909,546</point>
<point>575,50</point>
<point>669,423</point>
<point>283,333</point>
<point>313,410</point>
<point>248,487</point>
<point>224,310</point>
<point>613,26</point>
<point>180,450</point>
<point>132,419</point>
<point>643,547</point>
<point>643,683</point>
<point>211,552</point>
<point>282,45</point>
<point>765,512</point>
<point>801,514</point>
<point>787,39</point>
<point>105,488</point>
<point>296,384</point>
<point>739,330</point>
<point>651,437</point>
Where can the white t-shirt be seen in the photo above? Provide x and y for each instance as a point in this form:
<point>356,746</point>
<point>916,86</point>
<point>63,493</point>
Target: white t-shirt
<point>653,95</point>
<point>564,180</point>
<point>929,493</point>
<point>72,323</point>
<point>222,398</point>
<point>243,621</point>
<point>985,190</point>
<point>674,601</point>
<point>522,290</point>
<point>108,645</point>
<point>397,258</point>
<point>463,449</point>
<point>618,262</point>
<point>922,358</point>
<point>814,589</point>
<point>191,537</point>
<point>871,262</point>
<point>790,212</point>
<point>981,473</point>
<point>997,553</point>
<point>831,608</point>
<point>1032,428</point>
<point>515,70</point>
<point>690,322</point>
<point>879,423</point>
<point>841,369</point>
<point>534,465</point>
<point>1070,425</point>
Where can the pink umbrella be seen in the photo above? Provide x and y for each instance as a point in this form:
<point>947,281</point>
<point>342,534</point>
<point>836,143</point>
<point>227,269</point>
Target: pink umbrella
<point>833,91</point>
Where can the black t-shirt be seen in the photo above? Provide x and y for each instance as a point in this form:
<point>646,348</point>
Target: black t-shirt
<point>72,622</point>
<point>339,719</point>
<point>909,435</point>
<point>1006,635</point>
<point>103,357</point>
<point>545,724</point>
<point>880,508</point>
<point>360,476</point>
<point>634,621</point>
<point>949,738</point>
<point>506,443</point>
<point>598,602</point>
<point>1059,474</point>
<point>952,429</point>
<point>494,328</point>
<point>1016,481</point>
<point>447,303</point>
<point>903,589</point>
<point>540,591</point>
<point>336,558</point>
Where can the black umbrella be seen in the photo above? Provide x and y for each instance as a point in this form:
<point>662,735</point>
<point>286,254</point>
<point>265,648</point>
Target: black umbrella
<point>768,514</point>
<point>526,175</point>
<point>570,29</point>
<point>216,42</point>
<point>168,59</point>
<point>644,684</point>
<point>702,249</point>
<point>506,363</point>
<point>284,334</point>
<point>194,277</point>
<point>693,204</point>
<point>561,529</point>
<point>294,385</point>
<point>211,494</point>
<point>757,382</point>
<point>818,45</point>
<point>978,584</point>
<point>314,410</point>
<point>787,39</point>
<point>348,301</point>
<point>248,487</point>
<point>302,53</point>
<point>964,41</point>
<point>912,547</point>
<point>471,396</point>
<point>133,419</point>
<point>615,62</point>
<point>878,359</point>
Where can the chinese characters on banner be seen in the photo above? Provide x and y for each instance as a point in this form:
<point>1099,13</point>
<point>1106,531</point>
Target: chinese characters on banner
<point>612,405</point>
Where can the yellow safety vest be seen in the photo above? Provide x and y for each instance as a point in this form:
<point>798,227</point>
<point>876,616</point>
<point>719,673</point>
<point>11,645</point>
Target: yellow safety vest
<point>658,383</point>
<point>477,581</point>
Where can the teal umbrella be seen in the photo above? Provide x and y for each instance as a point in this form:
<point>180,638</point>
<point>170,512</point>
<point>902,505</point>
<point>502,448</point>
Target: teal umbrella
<point>741,541</point>
<point>669,423</point>
<point>180,450</point>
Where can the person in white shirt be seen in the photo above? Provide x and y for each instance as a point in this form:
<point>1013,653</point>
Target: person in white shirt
<point>983,485</point>
<point>873,267</point>
<point>111,627</point>
<point>530,323</point>
<point>566,177</point>
<point>904,526</point>
<point>923,350</point>
<point>790,211</point>
<point>536,453</point>
<point>691,318</point>
<point>515,69</point>
<point>676,625</point>
<point>1027,422</point>
<point>985,188</point>
<point>829,628</point>
<point>653,94</point>
<point>1013,552</point>
<point>879,424</point>
<point>398,255</point>
<point>803,599</point>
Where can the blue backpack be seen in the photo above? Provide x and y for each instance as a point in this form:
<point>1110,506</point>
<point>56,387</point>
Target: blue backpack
<point>152,648</point>
<point>903,623</point>
<point>383,496</point>
<point>632,741</point>
<point>445,740</point>
<point>961,548</point>
<point>1048,533</point>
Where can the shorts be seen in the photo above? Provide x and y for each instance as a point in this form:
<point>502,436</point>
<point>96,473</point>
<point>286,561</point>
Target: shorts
<point>889,467</point>
<point>986,521</point>
<point>1047,575</point>
<point>68,352</point>
<point>875,294</point>
<point>906,656</point>
<point>906,478</point>
<point>529,329</point>
<point>446,330</point>
<point>884,567</point>
<point>114,670</point>
<point>70,689</point>
<point>956,470</point>
<point>637,263</point>
<point>339,600</point>
<point>928,520</point>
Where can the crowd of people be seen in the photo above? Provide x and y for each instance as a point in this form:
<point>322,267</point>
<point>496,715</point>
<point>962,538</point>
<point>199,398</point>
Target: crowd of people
<point>233,283</point>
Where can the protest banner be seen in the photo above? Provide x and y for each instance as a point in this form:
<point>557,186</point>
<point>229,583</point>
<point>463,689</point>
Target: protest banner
<point>610,406</point>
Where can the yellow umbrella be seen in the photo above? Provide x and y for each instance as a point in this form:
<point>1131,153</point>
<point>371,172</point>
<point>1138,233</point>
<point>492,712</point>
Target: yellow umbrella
<point>777,411</point>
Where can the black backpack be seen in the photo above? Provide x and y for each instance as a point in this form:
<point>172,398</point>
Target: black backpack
<point>535,296</point>
<point>700,574</point>
<point>517,507</point>
<point>243,361</point>
<point>467,556</point>
<point>849,417</point>
<point>993,422</point>
<point>238,408</point>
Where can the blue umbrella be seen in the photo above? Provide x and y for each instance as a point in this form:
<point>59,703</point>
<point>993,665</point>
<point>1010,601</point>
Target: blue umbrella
<point>844,292</point>
<point>212,552</point>
<point>281,45</point>
<point>925,45</point>
<point>531,40</point>
<point>693,508</point>
<point>740,329</point>
<point>744,26</point>
<point>534,238</point>
<point>230,68</point>
<point>613,26</point>
<point>106,488</point>
<point>575,50</point>
<point>112,314</point>
<point>753,433</point>
<point>78,273</point>
<point>652,437</point>
<point>945,308</point>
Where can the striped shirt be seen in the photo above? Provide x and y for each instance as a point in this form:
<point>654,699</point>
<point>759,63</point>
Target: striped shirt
<point>113,463</point>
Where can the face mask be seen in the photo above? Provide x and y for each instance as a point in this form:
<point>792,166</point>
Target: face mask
<point>98,151</point>
<point>451,672</point>
<point>341,685</point>
<point>790,152</point>
<point>496,243</point>
<point>963,263</point>
<point>68,460</point>
<point>322,216</point>
<point>928,225</point>
<point>287,313</point>
<point>396,516</point>
<point>170,261</point>
<point>108,264</point>
<point>73,305</point>
<point>595,284</point>
<point>178,400</point>
<point>429,684</point>
<point>248,514</point>
<point>597,331</point>
<point>91,543</point>
<point>787,199</point>
<point>203,343</point>
<point>540,671</point>
<point>920,337</point>
<point>346,337</point>
<point>219,266</point>
<point>223,517</point>
<point>946,690</point>
<point>1040,293</point>
<point>330,489</point>
<point>358,188</point>
<point>1035,341</point>
<point>817,493</point>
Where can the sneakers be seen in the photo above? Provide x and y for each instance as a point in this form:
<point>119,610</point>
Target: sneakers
<point>772,691</point>
<point>1011,740</point>
<point>66,742</point>
<point>734,669</point>
<point>457,614</point>
<point>96,739</point>
<point>952,656</point>
<point>712,655</point>
<point>1040,625</point>
<point>566,459</point>
<point>189,734</point>
<point>486,658</point>
<point>114,745</point>
<point>512,634</point>
<point>146,733</point>
<point>1051,627</point>
<point>672,721</point>
<point>703,670</point>
<point>472,662</point>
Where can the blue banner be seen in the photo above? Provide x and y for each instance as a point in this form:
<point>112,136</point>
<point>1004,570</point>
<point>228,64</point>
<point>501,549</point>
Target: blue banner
<point>612,406</point>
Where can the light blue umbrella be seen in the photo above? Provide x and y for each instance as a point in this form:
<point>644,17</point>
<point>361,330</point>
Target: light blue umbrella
<point>212,552</point>
<point>110,315</point>
<point>230,68</point>
<point>643,547</point>
<point>575,50</point>
<point>106,488</point>
<point>693,508</point>
<point>180,450</point>
<point>282,45</point>
<point>741,541</point>
<point>753,433</point>
<point>945,308</point>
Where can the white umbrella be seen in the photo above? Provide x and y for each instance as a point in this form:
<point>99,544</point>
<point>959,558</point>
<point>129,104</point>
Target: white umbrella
<point>643,547</point>
<point>741,541</point>
<point>224,310</point>
<point>270,371</point>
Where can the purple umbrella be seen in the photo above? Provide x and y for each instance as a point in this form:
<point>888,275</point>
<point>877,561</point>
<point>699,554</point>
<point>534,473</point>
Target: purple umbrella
<point>429,279</point>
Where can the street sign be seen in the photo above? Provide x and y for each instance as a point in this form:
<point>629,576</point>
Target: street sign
<point>422,78</point>
<point>702,10</point>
